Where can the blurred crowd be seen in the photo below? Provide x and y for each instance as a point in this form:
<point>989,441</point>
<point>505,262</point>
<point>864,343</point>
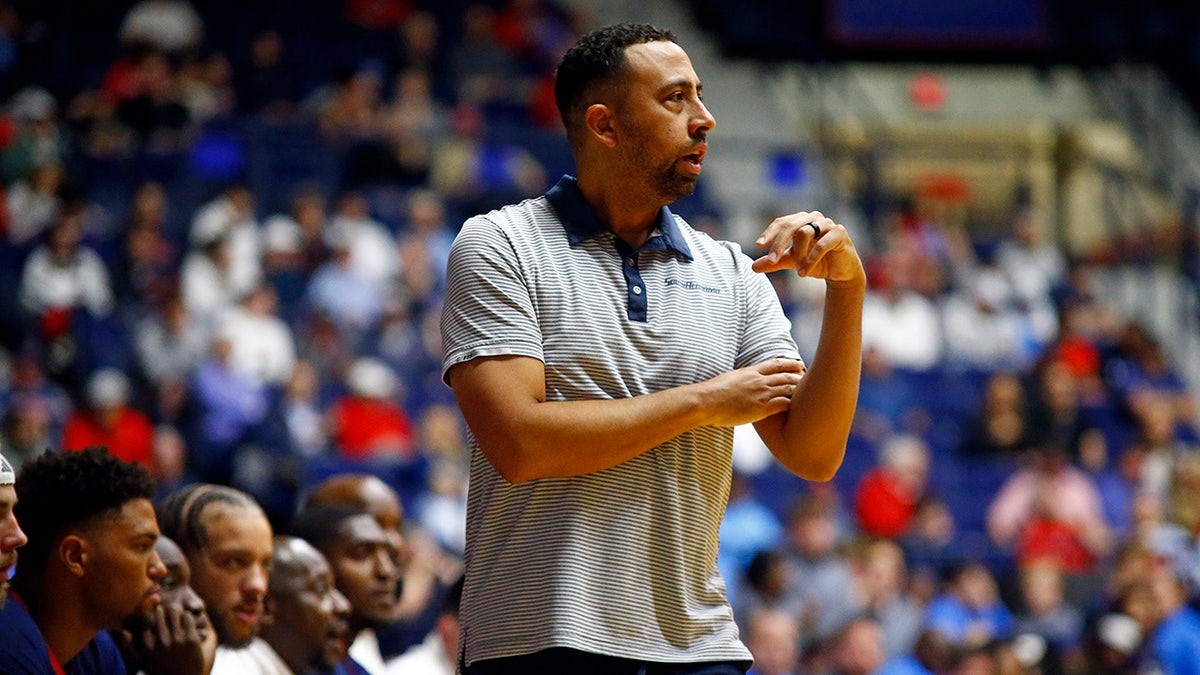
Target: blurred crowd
<point>1021,489</point>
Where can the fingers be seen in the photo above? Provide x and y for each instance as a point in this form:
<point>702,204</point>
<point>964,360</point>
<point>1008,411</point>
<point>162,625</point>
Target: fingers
<point>163,625</point>
<point>790,239</point>
<point>781,365</point>
<point>188,628</point>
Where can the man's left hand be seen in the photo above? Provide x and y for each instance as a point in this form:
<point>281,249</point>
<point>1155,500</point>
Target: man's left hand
<point>813,245</point>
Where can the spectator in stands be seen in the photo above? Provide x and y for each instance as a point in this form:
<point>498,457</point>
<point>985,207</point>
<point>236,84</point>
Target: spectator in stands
<point>1035,265</point>
<point>302,413</point>
<point>361,557</point>
<point>981,328</point>
<point>900,322</point>
<point>413,122</point>
<point>229,405</point>
<point>1050,508</point>
<point>266,87</point>
<point>764,585</point>
<point>352,300</point>
<point>425,245</point>
<point>347,110</point>
<point>1056,410</point>
<point>293,242</point>
<point>480,66</point>
<point>34,203</point>
<point>931,655</point>
<point>178,637</point>
<point>154,112</point>
<point>63,276</point>
<point>230,216</point>
<point>170,25</point>
<point>111,422</point>
<point>882,579</point>
<point>888,494</point>
<point>262,346</point>
<point>367,423</point>
<point>206,87</point>
<point>470,165</point>
<point>89,565</point>
<point>305,616</point>
<point>1175,641</point>
<point>858,647</point>
<point>819,575</point>
<point>1046,613</point>
<point>372,250</point>
<point>207,282</point>
<point>170,343</point>
<point>24,433</point>
<point>147,268</point>
<point>969,612</point>
<point>773,638</point>
<point>11,535</point>
<point>1001,426</point>
<point>38,139</point>
<point>227,540</point>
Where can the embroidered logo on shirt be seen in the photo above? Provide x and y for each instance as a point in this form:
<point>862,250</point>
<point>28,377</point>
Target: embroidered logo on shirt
<point>692,286</point>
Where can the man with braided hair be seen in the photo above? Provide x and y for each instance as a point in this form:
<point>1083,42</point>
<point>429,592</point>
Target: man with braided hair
<point>227,540</point>
<point>89,565</point>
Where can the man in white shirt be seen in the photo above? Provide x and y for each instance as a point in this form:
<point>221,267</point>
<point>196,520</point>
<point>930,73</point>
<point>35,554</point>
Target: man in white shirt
<point>305,621</point>
<point>227,540</point>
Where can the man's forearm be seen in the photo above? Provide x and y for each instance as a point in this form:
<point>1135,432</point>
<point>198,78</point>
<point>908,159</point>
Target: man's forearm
<point>810,439</point>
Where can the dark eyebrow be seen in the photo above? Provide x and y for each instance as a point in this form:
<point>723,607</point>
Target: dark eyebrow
<point>681,82</point>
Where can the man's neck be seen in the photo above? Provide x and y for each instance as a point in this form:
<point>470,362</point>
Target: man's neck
<point>624,209</point>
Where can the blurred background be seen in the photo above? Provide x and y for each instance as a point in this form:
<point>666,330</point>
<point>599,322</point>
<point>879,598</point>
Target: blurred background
<point>224,225</point>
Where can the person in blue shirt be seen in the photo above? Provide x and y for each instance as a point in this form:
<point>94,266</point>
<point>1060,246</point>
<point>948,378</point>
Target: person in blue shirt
<point>1175,643</point>
<point>89,565</point>
<point>970,611</point>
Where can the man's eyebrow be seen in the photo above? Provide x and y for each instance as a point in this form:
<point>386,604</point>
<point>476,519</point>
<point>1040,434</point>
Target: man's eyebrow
<point>681,82</point>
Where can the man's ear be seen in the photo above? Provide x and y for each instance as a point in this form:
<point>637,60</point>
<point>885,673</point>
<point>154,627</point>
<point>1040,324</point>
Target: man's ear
<point>75,553</point>
<point>599,120</point>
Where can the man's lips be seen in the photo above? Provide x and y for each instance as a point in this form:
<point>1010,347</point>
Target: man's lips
<point>247,613</point>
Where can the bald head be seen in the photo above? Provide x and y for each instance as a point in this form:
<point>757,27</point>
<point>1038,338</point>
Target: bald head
<point>363,491</point>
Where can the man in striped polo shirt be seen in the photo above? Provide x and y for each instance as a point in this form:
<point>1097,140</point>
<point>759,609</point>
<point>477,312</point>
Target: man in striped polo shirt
<point>601,352</point>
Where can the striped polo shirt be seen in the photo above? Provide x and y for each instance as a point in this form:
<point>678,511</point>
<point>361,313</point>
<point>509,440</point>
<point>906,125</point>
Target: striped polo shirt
<point>622,561</point>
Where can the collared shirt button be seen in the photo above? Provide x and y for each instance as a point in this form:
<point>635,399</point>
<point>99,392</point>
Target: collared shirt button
<point>637,290</point>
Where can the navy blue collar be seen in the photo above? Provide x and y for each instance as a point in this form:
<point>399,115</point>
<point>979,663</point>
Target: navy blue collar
<point>581,223</point>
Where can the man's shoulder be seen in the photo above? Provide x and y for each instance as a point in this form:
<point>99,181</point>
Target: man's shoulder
<point>23,650</point>
<point>100,657</point>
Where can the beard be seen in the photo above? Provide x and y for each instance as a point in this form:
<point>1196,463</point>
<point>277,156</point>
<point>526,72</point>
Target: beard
<point>661,170</point>
<point>4,583</point>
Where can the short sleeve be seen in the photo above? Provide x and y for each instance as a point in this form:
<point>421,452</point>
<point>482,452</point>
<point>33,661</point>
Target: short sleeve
<point>488,309</point>
<point>767,332</point>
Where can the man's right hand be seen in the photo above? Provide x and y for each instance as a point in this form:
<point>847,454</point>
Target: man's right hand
<point>753,393</point>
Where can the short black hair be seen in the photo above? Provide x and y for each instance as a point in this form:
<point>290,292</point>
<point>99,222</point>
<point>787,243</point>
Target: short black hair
<point>321,525</point>
<point>595,60</point>
<point>180,515</point>
<point>60,490</point>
